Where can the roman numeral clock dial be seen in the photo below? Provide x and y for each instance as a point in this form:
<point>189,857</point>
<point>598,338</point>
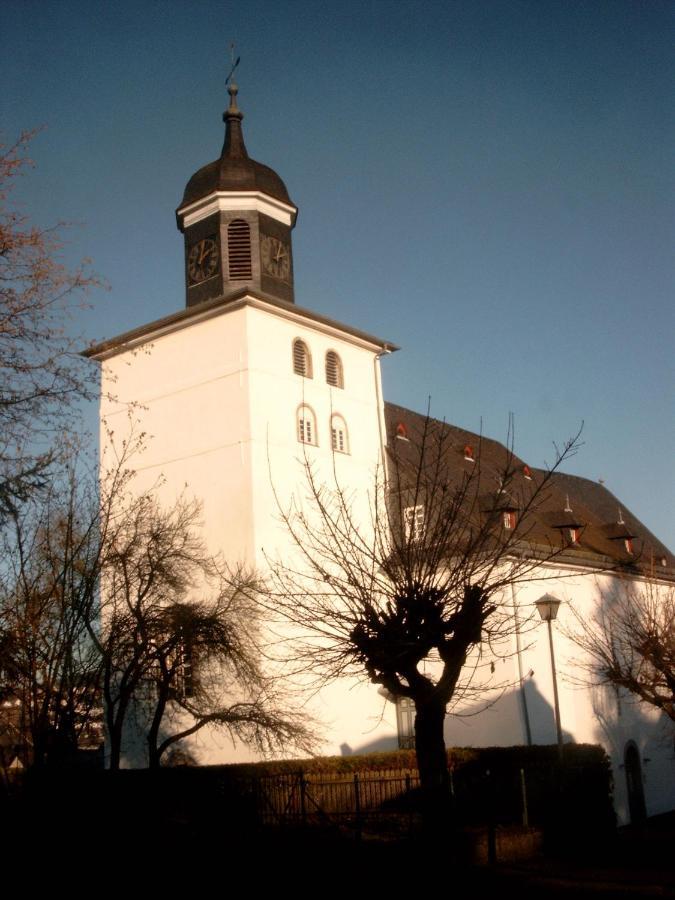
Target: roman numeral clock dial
<point>202,261</point>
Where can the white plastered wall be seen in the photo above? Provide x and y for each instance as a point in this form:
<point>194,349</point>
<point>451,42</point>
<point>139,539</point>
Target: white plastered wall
<point>588,714</point>
<point>217,402</point>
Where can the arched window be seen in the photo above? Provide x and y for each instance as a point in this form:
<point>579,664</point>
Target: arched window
<point>239,250</point>
<point>306,423</point>
<point>338,434</point>
<point>302,359</point>
<point>334,374</point>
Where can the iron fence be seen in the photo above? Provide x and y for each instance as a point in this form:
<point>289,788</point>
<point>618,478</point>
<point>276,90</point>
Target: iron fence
<point>301,798</point>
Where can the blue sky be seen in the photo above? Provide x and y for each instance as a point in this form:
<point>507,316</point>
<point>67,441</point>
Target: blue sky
<point>487,184</point>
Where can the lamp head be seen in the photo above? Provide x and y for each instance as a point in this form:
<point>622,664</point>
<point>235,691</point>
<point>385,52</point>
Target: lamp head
<point>548,607</point>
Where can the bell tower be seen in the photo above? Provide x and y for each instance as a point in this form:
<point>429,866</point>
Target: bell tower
<point>236,217</point>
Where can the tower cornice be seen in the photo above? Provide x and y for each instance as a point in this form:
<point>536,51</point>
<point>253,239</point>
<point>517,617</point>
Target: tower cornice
<point>185,318</point>
<point>228,201</point>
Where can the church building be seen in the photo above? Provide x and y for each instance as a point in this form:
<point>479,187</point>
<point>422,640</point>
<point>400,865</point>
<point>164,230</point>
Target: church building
<point>242,388</point>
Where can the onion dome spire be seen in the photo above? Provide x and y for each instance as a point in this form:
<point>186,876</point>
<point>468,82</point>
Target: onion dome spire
<point>234,170</point>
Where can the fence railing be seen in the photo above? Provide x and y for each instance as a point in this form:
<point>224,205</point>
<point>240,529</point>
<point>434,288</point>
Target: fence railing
<point>300,798</point>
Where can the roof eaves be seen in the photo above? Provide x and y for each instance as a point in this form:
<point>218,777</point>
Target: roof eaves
<point>220,305</point>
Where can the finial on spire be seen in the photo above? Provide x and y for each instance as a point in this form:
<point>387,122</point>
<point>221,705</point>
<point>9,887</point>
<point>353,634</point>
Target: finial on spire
<point>620,520</point>
<point>568,508</point>
<point>234,138</point>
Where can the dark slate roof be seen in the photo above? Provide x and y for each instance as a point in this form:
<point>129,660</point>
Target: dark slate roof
<point>227,174</point>
<point>595,511</point>
<point>234,170</point>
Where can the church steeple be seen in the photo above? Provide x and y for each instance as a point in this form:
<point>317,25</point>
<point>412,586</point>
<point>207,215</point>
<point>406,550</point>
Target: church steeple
<point>237,218</point>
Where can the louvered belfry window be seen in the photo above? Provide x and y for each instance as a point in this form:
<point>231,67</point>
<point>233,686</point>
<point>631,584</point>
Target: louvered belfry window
<point>239,250</point>
<point>334,369</point>
<point>302,360</point>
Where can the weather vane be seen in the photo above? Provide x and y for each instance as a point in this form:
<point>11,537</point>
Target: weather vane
<point>235,63</point>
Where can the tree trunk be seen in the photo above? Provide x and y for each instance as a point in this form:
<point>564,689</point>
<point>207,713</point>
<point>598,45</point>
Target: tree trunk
<point>154,752</point>
<point>115,743</point>
<point>432,763</point>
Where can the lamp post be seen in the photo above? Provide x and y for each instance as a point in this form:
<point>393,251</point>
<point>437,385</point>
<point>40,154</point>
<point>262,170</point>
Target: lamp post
<point>548,610</point>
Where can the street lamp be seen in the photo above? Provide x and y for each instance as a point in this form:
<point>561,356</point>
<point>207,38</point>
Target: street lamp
<point>548,610</point>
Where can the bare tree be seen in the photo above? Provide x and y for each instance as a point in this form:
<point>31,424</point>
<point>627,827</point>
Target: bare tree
<point>414,595</point>
<point>630,643</point>
<point>111,607</point>
<point>41,372</point>
<point>178,643</point>
<point>50,667</point>
<point>209,673</point>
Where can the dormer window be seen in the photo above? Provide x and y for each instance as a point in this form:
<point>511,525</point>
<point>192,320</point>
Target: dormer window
<point>302,359</point>
<point>401,432</point>
<point>628,544</point>
<point>468,453</point>
<point>239,250</point>
<point>509,519</point>
<point>573,534</point>
<point>334,374</point>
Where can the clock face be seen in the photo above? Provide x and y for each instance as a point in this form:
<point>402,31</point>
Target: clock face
<point>276,257</point>
<point>202,261</point>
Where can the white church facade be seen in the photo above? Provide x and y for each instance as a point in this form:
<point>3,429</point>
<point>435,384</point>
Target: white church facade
<point>240,389</point>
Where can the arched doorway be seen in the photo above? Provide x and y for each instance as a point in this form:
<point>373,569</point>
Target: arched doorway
<point>636,793</point>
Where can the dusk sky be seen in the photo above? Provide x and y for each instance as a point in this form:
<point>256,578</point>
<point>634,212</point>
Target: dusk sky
<point>487,184</point>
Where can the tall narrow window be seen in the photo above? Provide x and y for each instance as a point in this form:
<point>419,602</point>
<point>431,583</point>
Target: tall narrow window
<point>334,374</point>
<point>405,723</point>
<point>180,664</point>
<point>306,424</point>
<point>239,250</point>
<point>302,359</point>
<point>413,519</point>
<point>338,434</point>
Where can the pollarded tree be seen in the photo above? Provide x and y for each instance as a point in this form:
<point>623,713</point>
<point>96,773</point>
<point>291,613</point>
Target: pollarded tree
<point>41,371</point>
<point>629,643</point>
<point>415,596</point>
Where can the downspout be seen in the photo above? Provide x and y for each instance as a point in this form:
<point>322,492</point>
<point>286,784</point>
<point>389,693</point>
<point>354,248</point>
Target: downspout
<point>521,681</point>
<point>380,408</point>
